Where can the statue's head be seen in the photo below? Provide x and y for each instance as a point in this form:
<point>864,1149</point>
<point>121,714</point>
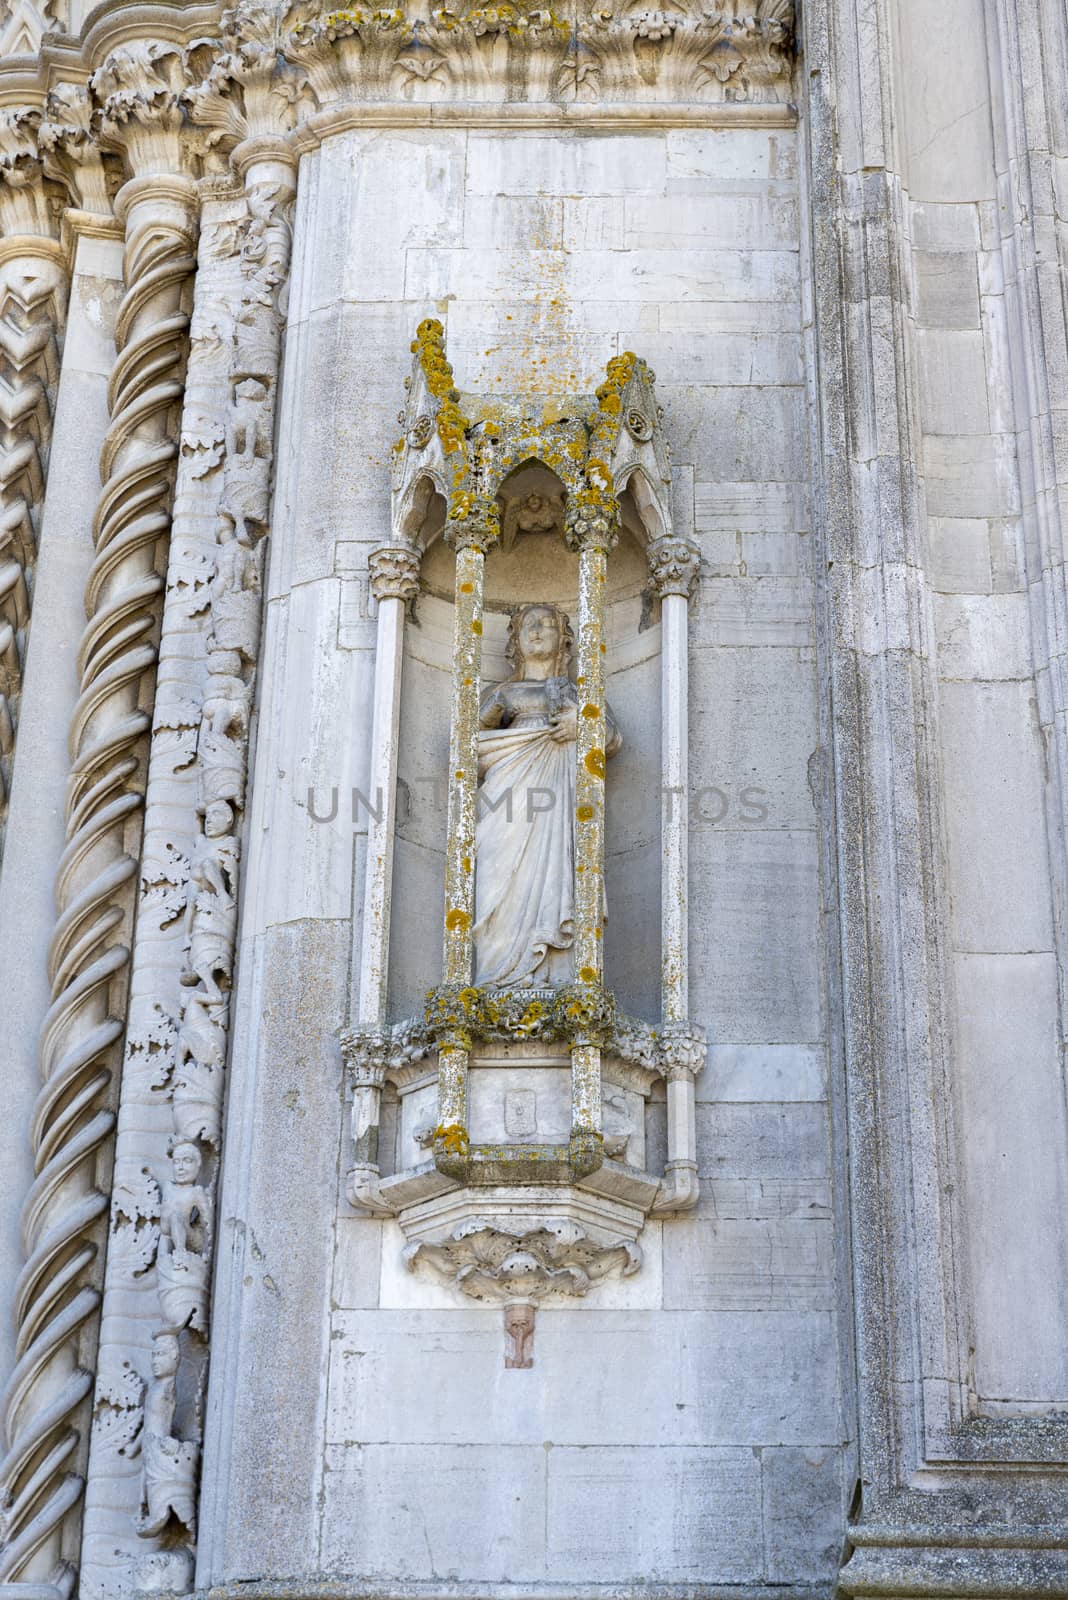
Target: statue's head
<point>165,1355</point>
<point>218,819</point>
<point>539,636</point>
<point>185,1162</point>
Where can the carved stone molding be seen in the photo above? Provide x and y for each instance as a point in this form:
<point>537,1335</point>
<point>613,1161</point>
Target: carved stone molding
<point>488,1262</point>
<point>32,300</point>
<point>520,53</point>
<point>223,599</point>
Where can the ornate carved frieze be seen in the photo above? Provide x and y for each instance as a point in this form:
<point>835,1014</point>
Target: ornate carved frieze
<point>537,54</point>
<point>489,1262</point>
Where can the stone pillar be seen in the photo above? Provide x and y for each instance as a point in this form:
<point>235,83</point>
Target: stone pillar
<point>45,1411</point>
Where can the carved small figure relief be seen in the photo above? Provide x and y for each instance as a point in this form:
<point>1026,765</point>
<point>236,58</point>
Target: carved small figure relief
<point>211,911</point>
<point>185,1211</point>
<point>168,1479</point>
<point>525,850</point>
<point>519,1333</point>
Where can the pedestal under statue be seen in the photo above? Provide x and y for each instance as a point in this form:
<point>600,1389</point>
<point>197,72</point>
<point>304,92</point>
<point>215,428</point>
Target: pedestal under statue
<point>525,838</point>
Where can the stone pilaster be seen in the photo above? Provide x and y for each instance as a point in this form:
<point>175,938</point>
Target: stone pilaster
<point>141,1522</point>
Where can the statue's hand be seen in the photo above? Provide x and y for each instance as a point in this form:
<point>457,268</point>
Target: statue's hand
<point>564,726</point>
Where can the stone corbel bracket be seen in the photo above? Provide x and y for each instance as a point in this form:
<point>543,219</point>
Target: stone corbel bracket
<point>494,1264</point>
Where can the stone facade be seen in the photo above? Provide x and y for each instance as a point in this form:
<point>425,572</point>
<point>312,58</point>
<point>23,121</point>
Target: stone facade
<point>734,1264</point>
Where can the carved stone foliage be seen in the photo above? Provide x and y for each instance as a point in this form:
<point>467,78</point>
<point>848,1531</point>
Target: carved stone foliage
<point>31,302</point>
<point>491,1263</point>
<point>520,52</point>
<point>248,86</point>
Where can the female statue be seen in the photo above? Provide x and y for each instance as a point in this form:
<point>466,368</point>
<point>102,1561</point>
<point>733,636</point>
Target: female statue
<point>525,835</point>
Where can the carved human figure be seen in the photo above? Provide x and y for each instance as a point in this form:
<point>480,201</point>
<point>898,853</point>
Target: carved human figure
<point>519,1331</point>
<point>245,426</point>
<point>185,1207</point>
<point>525,835</point>
<point>169,1471</point>
<point>211,906</point>
<point>235,586</point>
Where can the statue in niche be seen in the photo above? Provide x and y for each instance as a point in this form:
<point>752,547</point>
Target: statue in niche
<point>525,836</point>
<point>168,1480</point>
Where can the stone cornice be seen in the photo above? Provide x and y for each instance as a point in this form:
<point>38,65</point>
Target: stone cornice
<point>154,76</point>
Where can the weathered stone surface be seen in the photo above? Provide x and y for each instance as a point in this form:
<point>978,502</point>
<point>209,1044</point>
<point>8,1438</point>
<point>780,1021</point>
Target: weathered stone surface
<point>856,315</point>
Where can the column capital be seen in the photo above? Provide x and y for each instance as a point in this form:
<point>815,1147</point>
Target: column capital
<point>674,565</point>
<point>473,523</point>
<point>394,570</point>
<point>249,88</point>
<point>592,521</point>
<point>139,94</point>
<point>72,155</point>
<point>24,202</point>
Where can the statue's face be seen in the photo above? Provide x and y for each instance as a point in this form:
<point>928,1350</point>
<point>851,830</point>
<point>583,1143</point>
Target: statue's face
<point>165,1357</point>
<point>186,1163</point>
<point>217,819</point>
<point>539,635</point>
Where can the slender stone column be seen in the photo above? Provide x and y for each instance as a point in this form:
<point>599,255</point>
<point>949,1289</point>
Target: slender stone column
<point>472,531</point>
<point>45,1410</point>
<point>592,530</point>
<point>394,583</point>
<point>674,565</point>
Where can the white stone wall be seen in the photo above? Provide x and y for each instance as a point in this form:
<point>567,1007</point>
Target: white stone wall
<point>993,718</point>
<point>687,1426</point>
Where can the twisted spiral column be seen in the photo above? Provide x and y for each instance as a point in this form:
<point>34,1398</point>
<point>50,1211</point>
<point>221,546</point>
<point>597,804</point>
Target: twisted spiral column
<point>32,288</point>
<point>44,1411</point>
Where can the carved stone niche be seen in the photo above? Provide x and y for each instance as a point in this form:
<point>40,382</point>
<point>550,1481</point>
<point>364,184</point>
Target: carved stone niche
<point>506,1127</point>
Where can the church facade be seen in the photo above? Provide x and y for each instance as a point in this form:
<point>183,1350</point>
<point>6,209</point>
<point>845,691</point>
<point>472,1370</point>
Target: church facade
<point>533,850</point>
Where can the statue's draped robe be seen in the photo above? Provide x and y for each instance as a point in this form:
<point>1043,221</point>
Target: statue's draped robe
<point>525,856</point>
